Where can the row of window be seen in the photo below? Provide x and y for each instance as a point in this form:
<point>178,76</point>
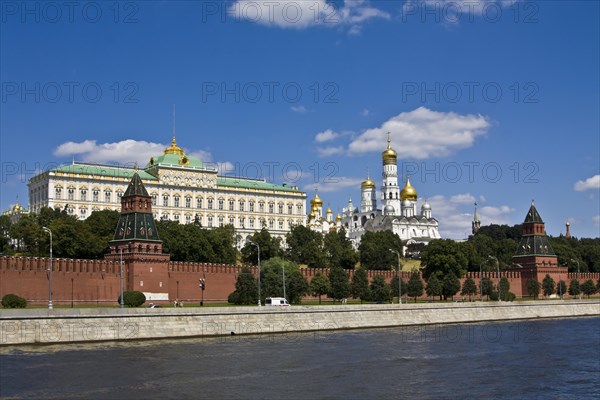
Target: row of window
<point>220,221</point>
<point>220,204</point>
<point>83,194</point>
<point>210,203</point>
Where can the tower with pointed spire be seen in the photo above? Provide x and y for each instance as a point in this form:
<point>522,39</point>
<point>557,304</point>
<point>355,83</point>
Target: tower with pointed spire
<point>137,245</point>
<point>534,249</point>
<point>390,191</point>
<point>368,195</point>
<point>476,224</point>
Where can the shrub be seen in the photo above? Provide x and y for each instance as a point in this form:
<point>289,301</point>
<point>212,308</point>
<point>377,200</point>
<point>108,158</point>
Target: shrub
<point>13,301</point>
<point>233,298</point>
<point>132,298</point>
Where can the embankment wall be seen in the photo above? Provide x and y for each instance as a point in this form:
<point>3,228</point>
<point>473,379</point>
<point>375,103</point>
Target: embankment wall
<point>18,327</point>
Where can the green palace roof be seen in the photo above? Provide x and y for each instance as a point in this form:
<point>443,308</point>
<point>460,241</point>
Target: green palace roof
<point>252,184</point>
<point>102,170</point>
<point>172,157</point>
<point>123,172</point>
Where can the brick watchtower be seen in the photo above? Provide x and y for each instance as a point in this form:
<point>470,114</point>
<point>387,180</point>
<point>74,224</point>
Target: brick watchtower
<point>535,257</point>
<point>136,242</point>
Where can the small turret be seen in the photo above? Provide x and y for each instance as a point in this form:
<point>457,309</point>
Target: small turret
<point>476,224</point>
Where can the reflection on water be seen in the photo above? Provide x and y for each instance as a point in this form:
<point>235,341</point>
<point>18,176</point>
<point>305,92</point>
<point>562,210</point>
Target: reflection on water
<point>532,359</point>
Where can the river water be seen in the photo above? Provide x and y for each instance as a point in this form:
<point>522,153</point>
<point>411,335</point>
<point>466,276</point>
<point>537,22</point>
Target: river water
<point>546,359</point>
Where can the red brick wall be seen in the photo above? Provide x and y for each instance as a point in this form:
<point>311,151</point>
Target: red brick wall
<point>97,281</point>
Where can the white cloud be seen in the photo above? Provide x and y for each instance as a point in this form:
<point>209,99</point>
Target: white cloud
<point>423,133</point>
<point>302,14</point>
<point>128,152</point>
<point>455,218</point>
<point>365,112</point>
<point>298,109</point>
<point>326,136</point>
<point>596,219</point>
<point>330,151</point>
<point>465,198</point>
<point>123,152</point>
<point>592,183</point>
<point>334,184</point>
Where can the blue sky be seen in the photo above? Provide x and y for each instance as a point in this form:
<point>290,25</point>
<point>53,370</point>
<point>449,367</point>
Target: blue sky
<point>488,101</point>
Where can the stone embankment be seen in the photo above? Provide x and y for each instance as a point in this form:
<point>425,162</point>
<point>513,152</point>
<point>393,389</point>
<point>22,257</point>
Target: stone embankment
<point>42,326</point>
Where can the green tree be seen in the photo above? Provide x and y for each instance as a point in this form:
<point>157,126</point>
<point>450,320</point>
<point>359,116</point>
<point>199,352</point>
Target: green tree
<point>359,288</point>
<point>246,288</point>
<point>469,288</point>
<point>450,285</point>
<point>588,288</point>
<point>101,225</point>
<point>504,289</point>
<point>271,277</point>
<point>319,285</point>
<point>222,241</point>
<point>534,287</point>
<point>380,290</point>
<point>433,287</point>
<point>443,256</point>
<point>338,250</point>
<point>5,225</point>
<point>487,287</point>
<point>574,288</point>
<point>415,286</point>
<point>339,285</point>
<point>269,247</point>
<point>305,246</point>
<point>548,285</point>
<point>374,250</point>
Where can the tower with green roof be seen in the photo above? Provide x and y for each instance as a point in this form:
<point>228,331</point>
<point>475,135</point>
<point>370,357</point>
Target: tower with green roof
<point>136,243</point>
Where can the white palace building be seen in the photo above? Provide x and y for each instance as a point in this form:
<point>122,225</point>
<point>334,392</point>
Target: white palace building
<point>183,189</point>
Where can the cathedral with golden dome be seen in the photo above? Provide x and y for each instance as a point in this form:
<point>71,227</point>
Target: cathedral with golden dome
<point>397,213</point>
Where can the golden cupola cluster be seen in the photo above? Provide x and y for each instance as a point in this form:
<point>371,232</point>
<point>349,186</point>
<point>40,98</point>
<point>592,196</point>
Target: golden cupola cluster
<point>389,155</point>
<point>408,192</point>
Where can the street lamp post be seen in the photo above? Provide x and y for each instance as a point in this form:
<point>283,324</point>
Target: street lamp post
<point>48,231</point>
<point>202,284</point>
<point>283,275</point>
<point>480,282</point>
<point>498,274</point>
<point>258,248</point>
<point>122,301</point>
<point>399,278</point>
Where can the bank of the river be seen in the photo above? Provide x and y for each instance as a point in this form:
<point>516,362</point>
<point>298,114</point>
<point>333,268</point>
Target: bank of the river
<point>100,324</point>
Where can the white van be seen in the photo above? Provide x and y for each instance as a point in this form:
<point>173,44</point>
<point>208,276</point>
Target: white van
<point>276,301</point>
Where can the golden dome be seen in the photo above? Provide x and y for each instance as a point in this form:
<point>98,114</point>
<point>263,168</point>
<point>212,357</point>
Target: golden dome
<point>174,149</point>
<point>408,192</point>
<point>338,217</point>
<point>329,211</point>
<point>367,184</point>
<point>389,155</point>
<point>316,201</point>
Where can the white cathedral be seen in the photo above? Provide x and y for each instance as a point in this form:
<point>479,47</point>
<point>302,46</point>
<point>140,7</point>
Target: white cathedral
<point>398,213</point>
